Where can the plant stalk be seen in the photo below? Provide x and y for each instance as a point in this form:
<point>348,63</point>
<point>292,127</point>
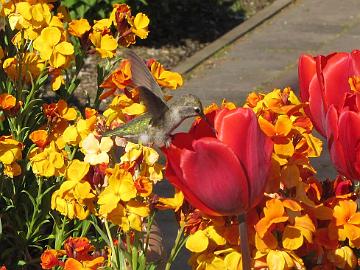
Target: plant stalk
<point>244,243</point>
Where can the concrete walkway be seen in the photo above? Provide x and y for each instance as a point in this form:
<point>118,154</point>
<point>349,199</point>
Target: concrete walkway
<point>267,57</point>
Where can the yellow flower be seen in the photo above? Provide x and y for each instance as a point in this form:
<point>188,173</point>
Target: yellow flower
<point>117,201</point>
<point>121,107</point>
<point>105,45</point>
<point>95,151</point>
<point>343,258</point>
<point>49,162</point>
<point>166,78</point>
<point>52,49</point>
<point>280,259</point>
<point>31,67</point>
<point>146,158</point>
<point>32,18</point>
<point>140,25</point>
<point>78,28</point>
<point>101,25</point>
<point>171,203</point>
<point>57,79</point>
<point>201,239</point>
<point>74,134</point>
<point>207,261</point>
<point>121,188</point>
<point>75,197</point>
<point>10,150</point>
<point>130,215</point>
<point>77,170</point>
<point>12,170</point>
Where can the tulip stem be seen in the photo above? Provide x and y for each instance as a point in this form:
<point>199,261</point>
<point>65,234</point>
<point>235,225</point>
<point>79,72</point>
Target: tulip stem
<point>244,243</point>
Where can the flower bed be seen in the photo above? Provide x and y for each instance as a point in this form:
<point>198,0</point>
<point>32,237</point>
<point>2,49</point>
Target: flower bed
<point>73,197</point>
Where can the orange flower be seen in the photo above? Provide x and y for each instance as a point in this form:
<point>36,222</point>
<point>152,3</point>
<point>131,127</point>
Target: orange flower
<point>59,110</point>
<point>39,137</point>
<point>72,264</point>
<point>78,28</point>
<point>7,101</point>
<point>346,222</point>
<point>165,78</point>
<point>49,259</point>
<point>118,79</point>
<point>274,213</point>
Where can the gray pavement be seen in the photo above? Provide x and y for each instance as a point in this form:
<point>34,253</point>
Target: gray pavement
<point>267,57</point>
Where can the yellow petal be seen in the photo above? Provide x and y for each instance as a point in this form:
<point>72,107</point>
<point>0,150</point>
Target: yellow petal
<point>65,48</point>
<point>285,150</point>
<point>275,260</point>
<point>108,43</point>
<point>77,170</point>
<point>106,144</point>
<point>197,242</point>
<point>71,135</point>
<point>283,125</point>
<point>134,109</point>
<point>292,238</point>
<point>51,35</point>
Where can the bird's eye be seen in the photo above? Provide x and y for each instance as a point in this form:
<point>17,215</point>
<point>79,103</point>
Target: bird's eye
<point>197,109</point>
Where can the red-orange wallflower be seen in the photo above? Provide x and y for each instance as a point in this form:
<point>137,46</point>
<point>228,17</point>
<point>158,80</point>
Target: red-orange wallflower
<point>118,79</point>
<point>7,101</point>
<point>49,259</point>
<point>39,137</point>
<point>78,248</point>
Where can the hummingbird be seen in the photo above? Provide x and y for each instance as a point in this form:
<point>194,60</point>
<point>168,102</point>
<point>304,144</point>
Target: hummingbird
<point>156,125</point>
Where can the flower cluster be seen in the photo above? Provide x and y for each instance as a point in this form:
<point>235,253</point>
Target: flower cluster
<point>65,173</point>
<point>78,253</point>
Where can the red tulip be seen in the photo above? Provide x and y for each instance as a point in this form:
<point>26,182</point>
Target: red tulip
<point>324,81</point>
<point>343,135</point>
<point>224,174</point>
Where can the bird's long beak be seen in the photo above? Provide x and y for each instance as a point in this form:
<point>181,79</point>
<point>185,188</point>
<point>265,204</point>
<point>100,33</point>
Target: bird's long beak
<point>203,116</point>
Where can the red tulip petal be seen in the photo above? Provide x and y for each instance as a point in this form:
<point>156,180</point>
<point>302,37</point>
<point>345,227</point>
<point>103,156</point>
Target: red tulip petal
<point>337,72</point>
<point>335,148</point>
<point>175,175</point>
<point>213,172</point>
<point>316,106</point>
<point>201,128</point>
<point>306,71</point>
<point>239,129</point>
<point>355,56</point>
<point>349,138</point>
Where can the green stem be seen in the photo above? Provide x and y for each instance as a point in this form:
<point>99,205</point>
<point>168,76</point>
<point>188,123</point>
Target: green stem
<point>244,243</point>
<point>175,248</point>
<point>113,254</point>
<point>35,210</point>
<point>148,231</point>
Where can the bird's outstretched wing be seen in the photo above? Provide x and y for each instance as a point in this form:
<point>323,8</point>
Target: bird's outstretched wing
<point>150,91</point>
<point>141,76</point>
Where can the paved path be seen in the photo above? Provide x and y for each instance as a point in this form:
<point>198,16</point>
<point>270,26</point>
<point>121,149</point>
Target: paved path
<point>267,57</point>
